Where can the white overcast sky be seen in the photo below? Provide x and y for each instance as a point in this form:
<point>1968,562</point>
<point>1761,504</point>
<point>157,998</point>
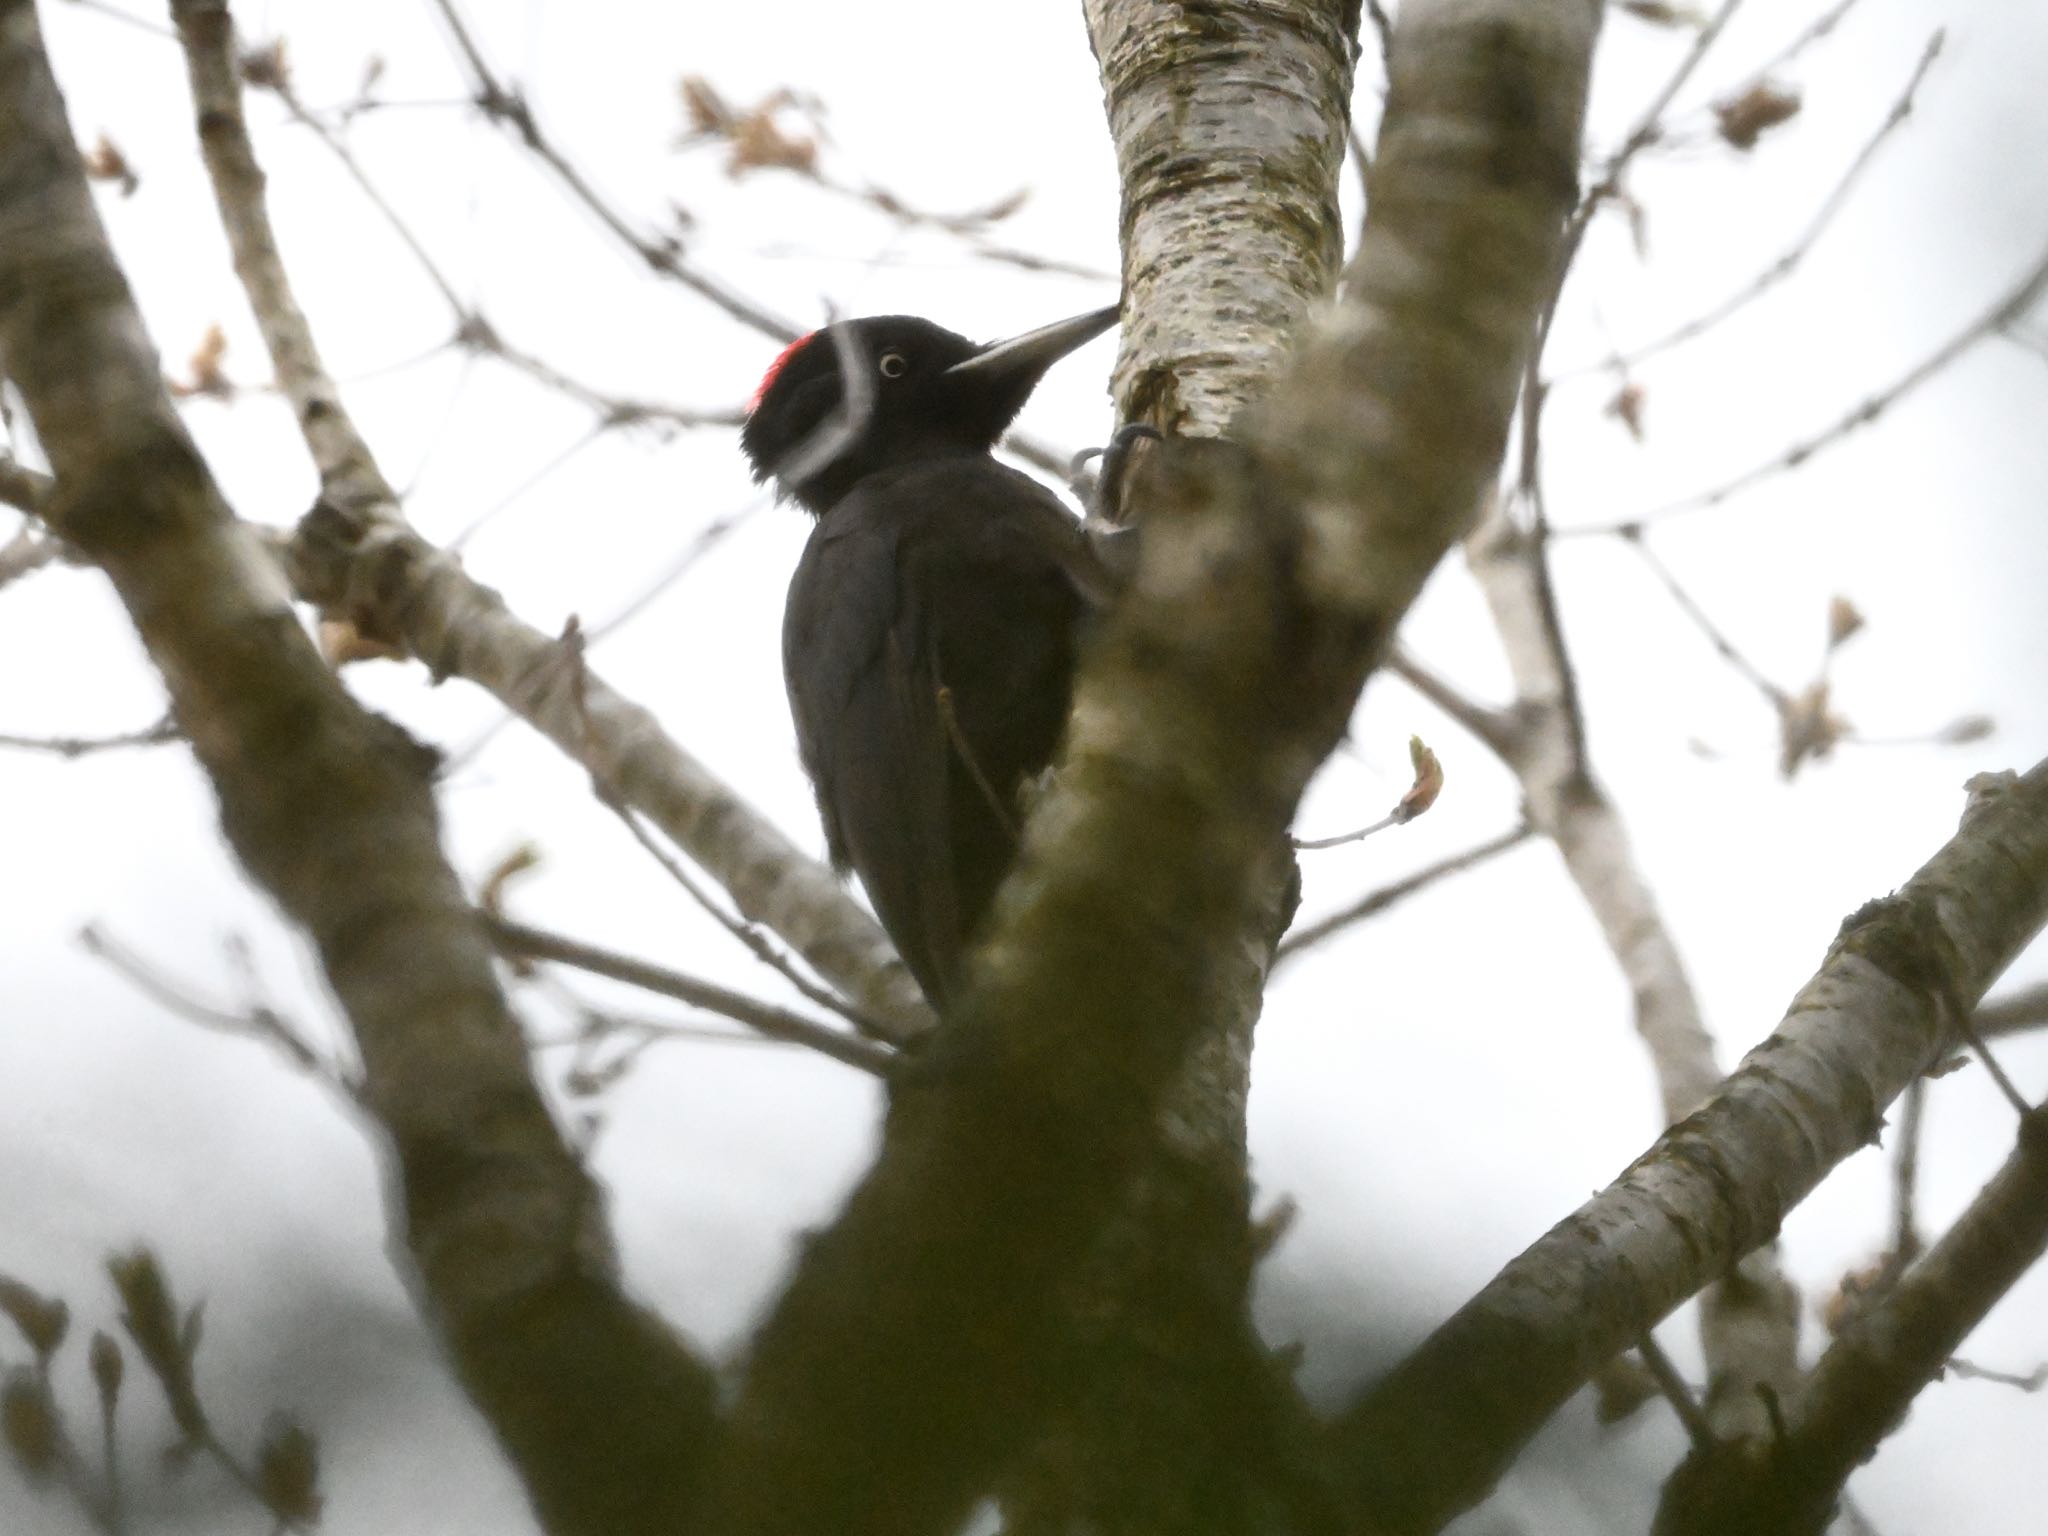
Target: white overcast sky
<point>1435,1092</point>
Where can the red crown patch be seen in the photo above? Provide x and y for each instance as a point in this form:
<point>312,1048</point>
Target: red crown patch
<point>775,368</point>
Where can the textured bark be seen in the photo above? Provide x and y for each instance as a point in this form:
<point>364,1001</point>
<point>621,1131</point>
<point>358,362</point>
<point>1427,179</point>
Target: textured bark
<point>1749,1323</point>
<point>330,811</point>
<point>1229,124</point>
<point>1434,1436</point>
<point>1229,120</point>
<point>919,1341</point>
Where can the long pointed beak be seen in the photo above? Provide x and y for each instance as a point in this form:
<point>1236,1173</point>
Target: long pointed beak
<point>1022,359</point>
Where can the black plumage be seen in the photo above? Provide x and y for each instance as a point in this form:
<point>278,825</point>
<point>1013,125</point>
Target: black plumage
<point>931,631</point>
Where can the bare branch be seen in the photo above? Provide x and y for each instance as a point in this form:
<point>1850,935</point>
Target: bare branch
<point>1434,1435</point>
<point>1819,29</point>
<point>1885,1354</point>
<point>1906,1240</point>
<point>1376,902</point>
<point>2000,317</point>
<point>83,746</point>
<point>1675,1390</point>
<point>510,111</point>
<point>1777,697</point>
<point>2025,1381</point>
<point>1497,728</point>
<point>2014,1013</point>
<point>1790,260</point>
<point>256,1022</point>
<point>23,489</point>
<point>1749,1325</point>
<point>756,942</point>
<point>764,1019</point>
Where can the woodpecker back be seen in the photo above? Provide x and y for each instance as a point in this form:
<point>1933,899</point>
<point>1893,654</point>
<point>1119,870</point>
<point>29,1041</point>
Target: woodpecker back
<point>931,630</point>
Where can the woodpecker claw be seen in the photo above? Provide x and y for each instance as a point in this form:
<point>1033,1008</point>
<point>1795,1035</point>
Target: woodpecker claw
<point>1116,459</point>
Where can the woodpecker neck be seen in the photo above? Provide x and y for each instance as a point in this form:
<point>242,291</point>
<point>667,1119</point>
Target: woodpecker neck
<point>820,491</point>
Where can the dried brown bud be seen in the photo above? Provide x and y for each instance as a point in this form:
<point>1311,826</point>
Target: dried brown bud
<point>1746,118</point>
<point>105,162</point>
<point>1853,1291</point>
<point>28,1421</point>
<point>1429,781</point>
<point>204,364</point>
<point>151,1318</point>
<point>758,143</point>
<point>288,1473</point>
<point>1962,731</point>
<point>108,1366</point>
<point>1844,619</point>
<point>1808,728</point>
<point>267,68</point>
<point>1627,408</point>
<point>1661,13</point>
<point>43,1320</point>
<point>514,864</point>
<point>705,108</point>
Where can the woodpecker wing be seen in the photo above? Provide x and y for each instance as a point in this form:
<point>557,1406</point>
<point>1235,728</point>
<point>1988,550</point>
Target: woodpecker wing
<point>928,647</point>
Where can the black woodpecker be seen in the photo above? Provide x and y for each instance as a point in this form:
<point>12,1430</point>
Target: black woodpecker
<point>930,635</point>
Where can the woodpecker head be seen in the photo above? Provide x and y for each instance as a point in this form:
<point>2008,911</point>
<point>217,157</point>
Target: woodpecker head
<point>863,395</point>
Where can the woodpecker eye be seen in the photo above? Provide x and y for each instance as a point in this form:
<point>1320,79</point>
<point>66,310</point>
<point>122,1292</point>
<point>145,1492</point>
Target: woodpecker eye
<point>893,365</point>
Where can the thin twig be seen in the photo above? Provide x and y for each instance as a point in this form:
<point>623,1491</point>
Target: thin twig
<point>126,18</point>
<point>1794,255</point>
<point>1535,391</point>
<point>81,746</point>
<point>1376,902</point>
<point>2006,1085</point>
<point>1906,1242</point>
<point>2030,1381</point>
<point>1716,636</point>
<point>22,489</point>
<point>509,110</point>
<point>765,1019</point>
<point>1675,1390</point>
<point>101,1510</point>
<point>708,538</point>
<point>1997,318</point>
<point>259,1022</point>
<point>1821,27</point>
<point>1495,727</point>
<point>1648,127</point>
<point>749,934</point>
<point>472,330</point>
<point>1571,711</point>
<point>534,478</point>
